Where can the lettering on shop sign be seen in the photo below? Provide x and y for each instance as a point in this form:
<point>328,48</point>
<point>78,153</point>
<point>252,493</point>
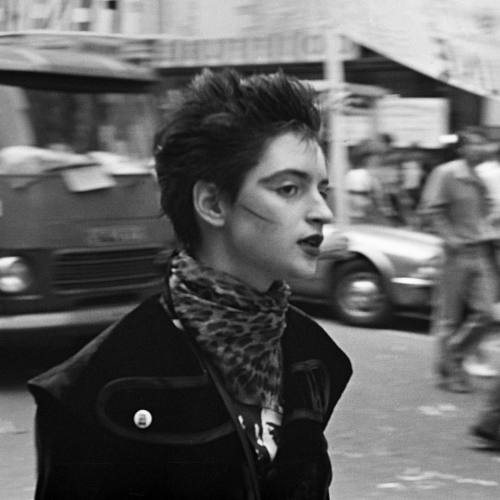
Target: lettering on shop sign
<point>291,46</point>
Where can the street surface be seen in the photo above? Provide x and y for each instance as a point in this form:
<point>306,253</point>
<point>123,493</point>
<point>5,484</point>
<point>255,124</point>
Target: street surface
<point>393,435</point>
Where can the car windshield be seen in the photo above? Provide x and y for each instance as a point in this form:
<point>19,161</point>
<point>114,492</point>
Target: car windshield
<point>76,123</point>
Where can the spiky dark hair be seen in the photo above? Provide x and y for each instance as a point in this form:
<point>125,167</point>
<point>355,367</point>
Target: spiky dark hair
<point>219,129</point>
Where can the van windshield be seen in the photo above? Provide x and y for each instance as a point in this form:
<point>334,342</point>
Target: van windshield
<point>77,123</point>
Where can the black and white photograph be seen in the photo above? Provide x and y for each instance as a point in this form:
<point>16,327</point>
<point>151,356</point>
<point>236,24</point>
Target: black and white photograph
<point>249,250</point>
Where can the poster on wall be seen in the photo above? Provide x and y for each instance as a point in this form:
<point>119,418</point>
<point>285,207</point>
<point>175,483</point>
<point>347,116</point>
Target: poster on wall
<point>413,121</point>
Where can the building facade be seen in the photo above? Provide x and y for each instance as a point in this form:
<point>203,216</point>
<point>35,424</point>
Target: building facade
<point>253,35</point>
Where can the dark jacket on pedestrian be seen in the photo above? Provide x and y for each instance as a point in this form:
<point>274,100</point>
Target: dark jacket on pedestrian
<point>91,446</point>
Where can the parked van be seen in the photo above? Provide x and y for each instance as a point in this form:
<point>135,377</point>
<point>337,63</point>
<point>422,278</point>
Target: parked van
<point>81,236</point>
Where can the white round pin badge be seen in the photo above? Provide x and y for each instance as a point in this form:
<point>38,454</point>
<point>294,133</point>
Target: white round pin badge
<point>143,419</point>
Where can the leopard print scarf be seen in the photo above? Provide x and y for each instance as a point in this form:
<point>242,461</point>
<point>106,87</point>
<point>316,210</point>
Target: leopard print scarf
<point>238,327</point>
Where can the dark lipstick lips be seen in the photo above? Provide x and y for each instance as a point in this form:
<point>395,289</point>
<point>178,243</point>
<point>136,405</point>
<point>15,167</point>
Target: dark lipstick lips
<point>314,240</point>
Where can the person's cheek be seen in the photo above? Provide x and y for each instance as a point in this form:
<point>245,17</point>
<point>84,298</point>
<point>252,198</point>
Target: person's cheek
<point>260,206</point>
<point>258,212</point>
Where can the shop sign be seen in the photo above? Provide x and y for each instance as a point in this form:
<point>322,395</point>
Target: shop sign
<point>282,47</point>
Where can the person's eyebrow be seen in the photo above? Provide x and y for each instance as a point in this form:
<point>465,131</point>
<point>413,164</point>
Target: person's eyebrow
<point>291,171</point>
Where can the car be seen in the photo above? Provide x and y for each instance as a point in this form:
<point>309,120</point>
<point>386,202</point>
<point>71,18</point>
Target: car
<point>368,272</point>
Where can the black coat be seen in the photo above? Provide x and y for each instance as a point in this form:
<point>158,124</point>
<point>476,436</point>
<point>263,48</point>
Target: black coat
<point>88,446</point>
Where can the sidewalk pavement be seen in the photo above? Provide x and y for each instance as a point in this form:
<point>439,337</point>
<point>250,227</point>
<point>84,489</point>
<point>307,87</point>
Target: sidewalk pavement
<point>395,435</point>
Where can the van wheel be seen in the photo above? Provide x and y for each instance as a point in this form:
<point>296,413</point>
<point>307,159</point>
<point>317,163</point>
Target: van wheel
<point>358,296</point>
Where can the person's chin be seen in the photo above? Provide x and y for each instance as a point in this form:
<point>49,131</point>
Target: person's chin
<point>306,269</point>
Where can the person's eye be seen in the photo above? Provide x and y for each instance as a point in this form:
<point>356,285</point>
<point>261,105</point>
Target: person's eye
<point>287,190</point>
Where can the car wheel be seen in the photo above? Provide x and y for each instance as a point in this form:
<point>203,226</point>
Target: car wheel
<point>358,295</point>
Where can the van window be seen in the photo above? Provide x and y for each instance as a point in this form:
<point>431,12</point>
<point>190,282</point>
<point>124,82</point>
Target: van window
<point>122,124</point>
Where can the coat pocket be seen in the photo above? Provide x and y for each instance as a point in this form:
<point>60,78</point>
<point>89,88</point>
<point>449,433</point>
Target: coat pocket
<point>163,410</point>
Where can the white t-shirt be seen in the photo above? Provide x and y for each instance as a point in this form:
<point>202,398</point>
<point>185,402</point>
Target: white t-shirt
<point>412,174</point>
<point>358,180</point>
<point>489,173</point>
<point>360,185</point>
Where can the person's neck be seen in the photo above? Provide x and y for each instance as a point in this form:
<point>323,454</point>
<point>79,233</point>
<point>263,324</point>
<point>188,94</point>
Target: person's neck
<point>472,164</point>
<point>219,258</point>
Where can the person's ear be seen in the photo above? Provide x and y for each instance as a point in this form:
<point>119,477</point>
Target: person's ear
<point>208,203</point>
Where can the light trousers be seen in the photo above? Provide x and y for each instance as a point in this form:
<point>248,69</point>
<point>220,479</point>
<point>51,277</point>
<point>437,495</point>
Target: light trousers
<point>465,298</point>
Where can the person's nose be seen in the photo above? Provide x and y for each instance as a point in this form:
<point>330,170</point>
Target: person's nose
<point>320,212</point>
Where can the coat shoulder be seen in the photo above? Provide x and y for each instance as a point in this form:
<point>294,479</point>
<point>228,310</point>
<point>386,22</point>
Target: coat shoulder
<point>305,335</point>
<point>144,341</point>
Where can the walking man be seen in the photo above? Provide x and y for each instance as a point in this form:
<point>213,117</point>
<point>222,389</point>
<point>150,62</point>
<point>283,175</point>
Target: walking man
<point>456,203</point>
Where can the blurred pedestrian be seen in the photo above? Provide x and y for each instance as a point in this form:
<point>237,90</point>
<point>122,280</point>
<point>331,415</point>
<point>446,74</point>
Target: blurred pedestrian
<point>412,175</point>
<point>489,172</point>
<point>487,425</point>
<point>412,182</point>
<point>389,173</point>
<point>217,388</point>
<point>366,198</point>
<point>456,202</point>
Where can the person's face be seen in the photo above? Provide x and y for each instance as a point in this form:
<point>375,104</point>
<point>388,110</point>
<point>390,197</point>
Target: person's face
<point>477,149</point>
<point>274,228</point>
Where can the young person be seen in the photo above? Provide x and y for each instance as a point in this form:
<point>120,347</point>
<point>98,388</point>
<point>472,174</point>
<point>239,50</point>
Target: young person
<point>218,388</point>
